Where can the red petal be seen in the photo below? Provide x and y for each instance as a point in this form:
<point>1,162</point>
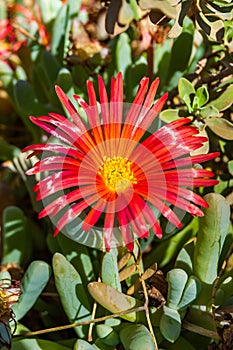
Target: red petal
<point>70,108</point>
<point>94,215</point>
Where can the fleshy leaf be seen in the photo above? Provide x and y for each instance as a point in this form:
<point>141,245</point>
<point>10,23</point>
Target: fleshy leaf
<point>136,337</point>
<point>72,292</point>
<point>221,127</point>
<point>170,324</point>
<point>202,95</point>
<point>186,89</point>
<point>110,275</point>
<point>191,291</point>
<point>8,151</point>
<point>225,100</point>
<point>15,228</point>
<point>169,115</point>
<point>208,111</point>
<point>34,280</point>
<point>177,279</point>
<point>81,344</point>
<point>107,334</point>
<point>37,344</point>
<point>123,53</point>
<point>213,229</point>
<point>114,300</point>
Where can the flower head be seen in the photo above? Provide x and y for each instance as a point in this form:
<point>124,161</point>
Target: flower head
<point>113,174</point>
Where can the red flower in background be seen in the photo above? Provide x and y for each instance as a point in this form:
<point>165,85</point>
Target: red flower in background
<point>111,171</point>
<point>23,18</point>
<point>9,43</point>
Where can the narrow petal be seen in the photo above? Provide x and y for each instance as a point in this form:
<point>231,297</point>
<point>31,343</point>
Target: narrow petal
<point>72,213</point>
<point>94,215</point>
<point>125,230</point>
<point>70,108</point>
<point>109,224</point>
<point>135,108</point>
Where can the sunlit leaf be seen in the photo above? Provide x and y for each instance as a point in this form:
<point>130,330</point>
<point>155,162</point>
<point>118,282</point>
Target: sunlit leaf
<point>202,95</point>
<point>123,53</point>
<point>221,127</point>
<point>186,89</point>
<point>114,300</point>
<point>225,100</point>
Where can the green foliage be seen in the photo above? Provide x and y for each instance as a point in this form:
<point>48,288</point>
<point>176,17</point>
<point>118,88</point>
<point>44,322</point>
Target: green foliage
<point>34,280</point>
<point>72,293</point>
<point>212,233</point>
<point>15,228</point>
<point>115,301</point>
<point>37,344</point>
<point>136,337</point>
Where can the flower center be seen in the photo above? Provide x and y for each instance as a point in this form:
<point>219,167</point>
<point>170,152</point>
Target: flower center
<point>117,174</point>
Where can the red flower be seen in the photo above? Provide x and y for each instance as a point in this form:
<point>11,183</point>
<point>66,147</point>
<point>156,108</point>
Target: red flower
<point>8,40</point>
<point>112,172</point>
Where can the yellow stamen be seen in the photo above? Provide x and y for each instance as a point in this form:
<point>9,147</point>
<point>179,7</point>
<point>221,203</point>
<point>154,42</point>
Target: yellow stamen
<point>117,174</point>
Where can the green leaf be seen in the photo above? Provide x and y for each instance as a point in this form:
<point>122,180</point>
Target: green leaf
<point>47,70</point>
<point>110,275</point>
<point>230,167</point>
<point>181,344</point>
<point>177,279</point>
<point>208,111</point>
<point>225,100</point>
<point>7,151</point>
<point>186,89</point>
<point>26,103</point>
<point>72,292</point>
<point>107,335</point>
<point>49,9</point>
<point>6,73</point>
<point>64,80</point>
<point>59,37</point>
<point>34,280</point>
<point>136,337</point>
<point>184,258</point>
<point>179,63</point>
<point>170,324</point>
<point>114,300</point>
<point>191,291</point>
<point>15,228</point>
<point>202,95</point>
<point>37,344</point>
<point>79,256</point>
<point>213,228</point>
<point>169,115</point>
<point>172,246</point>
<point>81,344</point>
<point>221,127</point>
<point>123,53</point>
